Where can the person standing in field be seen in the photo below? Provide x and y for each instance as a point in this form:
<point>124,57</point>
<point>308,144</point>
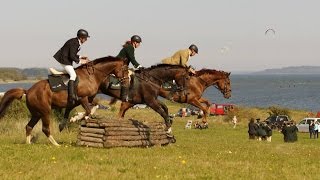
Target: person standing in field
<point>234,121</point>
<point>311,128</point>
<point>252,128</point>
<point>268,130</point>
<point>316,130</point>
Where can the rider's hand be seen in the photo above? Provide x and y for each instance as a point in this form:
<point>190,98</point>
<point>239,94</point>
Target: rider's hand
<point>140,67</point>
<point>84,61</point>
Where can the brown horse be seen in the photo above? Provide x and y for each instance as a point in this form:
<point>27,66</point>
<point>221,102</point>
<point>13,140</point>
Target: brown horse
<point>40,99</point>
<point>145,86</point>
<point>197,84</point>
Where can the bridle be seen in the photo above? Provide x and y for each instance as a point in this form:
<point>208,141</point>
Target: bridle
<point>223,90</point>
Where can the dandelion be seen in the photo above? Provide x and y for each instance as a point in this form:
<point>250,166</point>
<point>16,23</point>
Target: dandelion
<point>158,176</point>
<point>180,157</point>
<point>183,162</point>
<point>53,158</point>
<point>230,152</point>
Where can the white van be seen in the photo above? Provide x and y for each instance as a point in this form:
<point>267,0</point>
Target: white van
<point>303,125</point>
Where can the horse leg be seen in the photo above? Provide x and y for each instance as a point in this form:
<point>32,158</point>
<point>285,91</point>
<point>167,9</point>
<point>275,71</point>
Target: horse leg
<point>64,122</point>
<point>46,129</point>
<point>199,105</point>
<point>157,106</point>
<point>124,107</point>
<point>205,101</point>
<point>164,107</point>
<point>33,121</point>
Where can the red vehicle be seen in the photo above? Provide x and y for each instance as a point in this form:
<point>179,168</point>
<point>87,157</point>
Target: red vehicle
<point>220,109</point>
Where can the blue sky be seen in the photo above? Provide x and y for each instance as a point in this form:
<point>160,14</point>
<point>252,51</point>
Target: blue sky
<point>230,34</point>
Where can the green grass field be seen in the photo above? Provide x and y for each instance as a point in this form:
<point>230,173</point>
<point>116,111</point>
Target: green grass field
<point>219,152</point>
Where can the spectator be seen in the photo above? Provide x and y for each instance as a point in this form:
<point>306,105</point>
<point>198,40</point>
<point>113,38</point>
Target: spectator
<point>252,129</point>
<point>234,121</point>
<point>316,130</point>
<point>268,131</point>
<point>294,131</point>
<point>311,128</point>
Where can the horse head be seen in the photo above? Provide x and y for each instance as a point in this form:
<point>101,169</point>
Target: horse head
<point>224,85</point>
<point>221,79</point>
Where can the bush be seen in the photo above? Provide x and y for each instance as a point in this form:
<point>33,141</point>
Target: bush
<point>277,110</point>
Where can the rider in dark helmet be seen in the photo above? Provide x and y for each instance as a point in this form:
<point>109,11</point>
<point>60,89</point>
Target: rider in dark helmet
<point>127,52</point>
<point>181,57</point>
<point>69,54</point>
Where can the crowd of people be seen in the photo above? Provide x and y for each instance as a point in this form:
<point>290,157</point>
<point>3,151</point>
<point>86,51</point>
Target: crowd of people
<point>262,131</point>
<point>289,131</point>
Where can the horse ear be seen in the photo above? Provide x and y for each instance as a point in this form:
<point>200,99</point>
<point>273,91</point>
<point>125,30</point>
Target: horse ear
<point>228,74</point>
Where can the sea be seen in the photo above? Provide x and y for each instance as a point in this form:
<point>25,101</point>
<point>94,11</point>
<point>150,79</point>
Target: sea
<point>291,91</point>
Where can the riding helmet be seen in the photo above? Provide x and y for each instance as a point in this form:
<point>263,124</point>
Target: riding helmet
<point>136,38</point>
<point>82,33</point>
<point>193,47</point>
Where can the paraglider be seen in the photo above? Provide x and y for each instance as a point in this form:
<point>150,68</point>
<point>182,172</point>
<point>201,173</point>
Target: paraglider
<point>270,31</point>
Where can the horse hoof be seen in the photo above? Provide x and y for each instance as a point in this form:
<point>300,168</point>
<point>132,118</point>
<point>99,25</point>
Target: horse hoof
<point>173,140</point>
<point>62,126</point>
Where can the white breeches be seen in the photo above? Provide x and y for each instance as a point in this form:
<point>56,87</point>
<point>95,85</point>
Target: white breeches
<point>70,71</point>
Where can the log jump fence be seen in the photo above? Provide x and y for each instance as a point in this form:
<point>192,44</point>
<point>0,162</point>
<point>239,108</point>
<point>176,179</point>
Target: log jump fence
<point>108,133</point>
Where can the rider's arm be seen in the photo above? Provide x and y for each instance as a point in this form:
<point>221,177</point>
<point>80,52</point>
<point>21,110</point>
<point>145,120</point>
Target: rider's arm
<point>131,58</point>
<point>73,53</point>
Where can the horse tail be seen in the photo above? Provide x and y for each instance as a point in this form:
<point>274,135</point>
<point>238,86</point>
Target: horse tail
<point>8,97</point>
<point>113,101</point>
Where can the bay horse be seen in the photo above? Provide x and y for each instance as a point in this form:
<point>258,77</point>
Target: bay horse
<point>145,86</point>
<point>197,84</point>
<point>41,99</point>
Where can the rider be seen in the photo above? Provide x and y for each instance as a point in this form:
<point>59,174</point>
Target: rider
<point>67,55</point>
<point>181,57</point>
<point>127,52</point>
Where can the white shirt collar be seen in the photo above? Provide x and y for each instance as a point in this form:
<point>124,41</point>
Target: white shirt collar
<point>79,42</point>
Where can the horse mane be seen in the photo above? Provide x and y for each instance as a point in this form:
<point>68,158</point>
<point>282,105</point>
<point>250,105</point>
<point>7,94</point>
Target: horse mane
<point>165,65</point>
<point>209,71</point>
<point>102,59</point>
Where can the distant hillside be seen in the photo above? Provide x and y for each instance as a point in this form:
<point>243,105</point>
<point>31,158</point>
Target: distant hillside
<point>16,74</point>
<point>292,70</point>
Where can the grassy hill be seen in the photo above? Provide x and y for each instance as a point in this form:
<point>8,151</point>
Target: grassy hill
<point>16,74</point>
<point>219,152</point>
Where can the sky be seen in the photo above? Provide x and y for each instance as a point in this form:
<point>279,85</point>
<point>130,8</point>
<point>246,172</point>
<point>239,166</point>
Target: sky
<point>230,34</point>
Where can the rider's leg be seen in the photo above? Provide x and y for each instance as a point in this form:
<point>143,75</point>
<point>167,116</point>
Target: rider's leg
<point>72,91</point>
<point>124,89</point>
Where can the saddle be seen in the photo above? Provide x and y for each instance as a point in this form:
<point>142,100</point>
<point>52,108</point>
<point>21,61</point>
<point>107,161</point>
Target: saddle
<point>115,83</point>
<point>59,80</point>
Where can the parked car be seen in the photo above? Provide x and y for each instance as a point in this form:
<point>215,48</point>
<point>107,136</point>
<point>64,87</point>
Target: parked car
<point>220,109</point>
<point>277,121</point>
<point>303,125</point>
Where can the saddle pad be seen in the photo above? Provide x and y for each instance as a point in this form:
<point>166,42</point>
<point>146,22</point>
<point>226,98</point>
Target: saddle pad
<point>56,83</point>
<point>59,82</point>
<point>114,83</point>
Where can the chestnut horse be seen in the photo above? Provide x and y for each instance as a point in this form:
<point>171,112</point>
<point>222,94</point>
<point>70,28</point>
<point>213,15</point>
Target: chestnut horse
<point>40,99</point>
<point>197,84</point>
<point>145,87</point>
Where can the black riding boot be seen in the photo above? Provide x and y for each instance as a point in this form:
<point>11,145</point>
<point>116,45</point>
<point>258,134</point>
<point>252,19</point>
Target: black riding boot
<point>124,93</point>
<point>72,93</point>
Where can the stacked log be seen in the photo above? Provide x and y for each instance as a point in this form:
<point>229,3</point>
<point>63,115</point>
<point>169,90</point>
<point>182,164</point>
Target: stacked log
<point>109,133</point>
